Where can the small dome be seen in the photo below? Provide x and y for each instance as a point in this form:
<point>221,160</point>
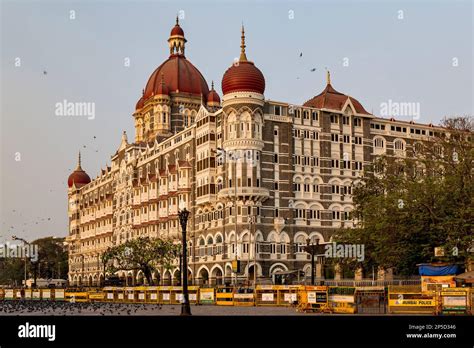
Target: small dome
<point>329,98</point>
<point>213,97</point>
<point>177,30</point>
<point>79,177</point>
<point>243,76</point>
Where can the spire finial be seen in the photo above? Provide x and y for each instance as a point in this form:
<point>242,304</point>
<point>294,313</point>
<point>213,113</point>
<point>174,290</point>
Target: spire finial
<point>212,84</point>
<point>243,57</point>
<point>79,160</point>
<point>328,77</point>
<point>177,19</point>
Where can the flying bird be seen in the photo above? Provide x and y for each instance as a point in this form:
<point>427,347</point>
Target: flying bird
<point>301,54</point>
<point>314,69</point>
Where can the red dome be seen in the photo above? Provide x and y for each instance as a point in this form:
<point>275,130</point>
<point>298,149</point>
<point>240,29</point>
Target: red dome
<point>243,77</point>
<point>178,75</point>
<point>213,97</point>
<point>78,177</point>
<point>177,31</point>
<point>329,98</point>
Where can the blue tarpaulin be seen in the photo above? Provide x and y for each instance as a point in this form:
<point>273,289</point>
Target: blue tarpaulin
<point>434,270</point>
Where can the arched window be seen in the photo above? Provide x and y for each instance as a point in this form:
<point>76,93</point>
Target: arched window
<point>399,145</point>
<point>300,244</point>
<point>379,143</point>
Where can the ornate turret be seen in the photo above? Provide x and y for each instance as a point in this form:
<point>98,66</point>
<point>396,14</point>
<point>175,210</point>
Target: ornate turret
<point>177,40</point>
<point>79,177</point>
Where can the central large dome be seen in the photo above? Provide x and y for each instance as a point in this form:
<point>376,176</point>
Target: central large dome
<point>179,76</point>
<point>176,74</point>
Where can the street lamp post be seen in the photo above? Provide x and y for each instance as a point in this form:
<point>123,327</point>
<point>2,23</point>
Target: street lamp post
<point>26,243</point>
<point>183,219</point>
<point>312,249</point>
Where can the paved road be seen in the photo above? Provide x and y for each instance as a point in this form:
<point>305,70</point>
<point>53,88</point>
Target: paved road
<point>59,309</point>
<point>15,308</point>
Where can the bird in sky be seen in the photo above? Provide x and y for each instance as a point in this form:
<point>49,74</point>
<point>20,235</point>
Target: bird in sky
<point>301,54</point>
<point>314,69</point>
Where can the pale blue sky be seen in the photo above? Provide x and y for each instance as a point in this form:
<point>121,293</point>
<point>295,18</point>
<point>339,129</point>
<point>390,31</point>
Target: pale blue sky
<point>408,60</point>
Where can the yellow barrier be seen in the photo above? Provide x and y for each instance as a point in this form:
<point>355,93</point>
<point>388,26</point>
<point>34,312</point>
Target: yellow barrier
<point>151,294</point>
<point>244,298</point>
<point>454,301</point>
<point>411,300</point>
<point>266,295</point>
<point>58,294</point>
<point>164,295</point>
<point>342,299</point>
<point>129,295</point>
<point>313,298</point>
<point>97,296</point>
<point>288,295</point>
<point>225,296</point>
<point>74,296</point>
<point>207,296</point>
<point>9,294</point>
<point>110,294</point>
<point>140,294</point>
<point>46,294</point>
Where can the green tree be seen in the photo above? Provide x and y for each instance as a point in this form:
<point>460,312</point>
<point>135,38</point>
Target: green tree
<point>407,206</point>
<point>52,259</point>
<point>12,271</point>
<point>141,254</point>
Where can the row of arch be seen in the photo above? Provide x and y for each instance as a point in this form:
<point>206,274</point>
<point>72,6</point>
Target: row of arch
<point>215,275</point>
<point>273,236</point>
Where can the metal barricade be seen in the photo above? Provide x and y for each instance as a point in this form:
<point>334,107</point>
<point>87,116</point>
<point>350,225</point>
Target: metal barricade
<point>342,299</point>
<point>266,295</point>
<point>140,294</point>
<point>454,301</point>
<point>46,294</point>
<point>370,300</point>
<point>72,296</point>
<point>193,292</point>
<point>288,295</point>
<point>411,300</point>
<point>36,294</point>
<point>9,294</point>
<point>207,296</point>
<point>120,295</point>
<point>28,293</point>
<point>110,294</point>
<point>164,295</point>
<point>58,294</point>
<point>97,296</point>
<point>225,296</point>
<point>151,294</point>
<point>130,295</point>
<point>313,299</point>
<point>176,294</point>
<point>244,297</point>
<point>19,294</point>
